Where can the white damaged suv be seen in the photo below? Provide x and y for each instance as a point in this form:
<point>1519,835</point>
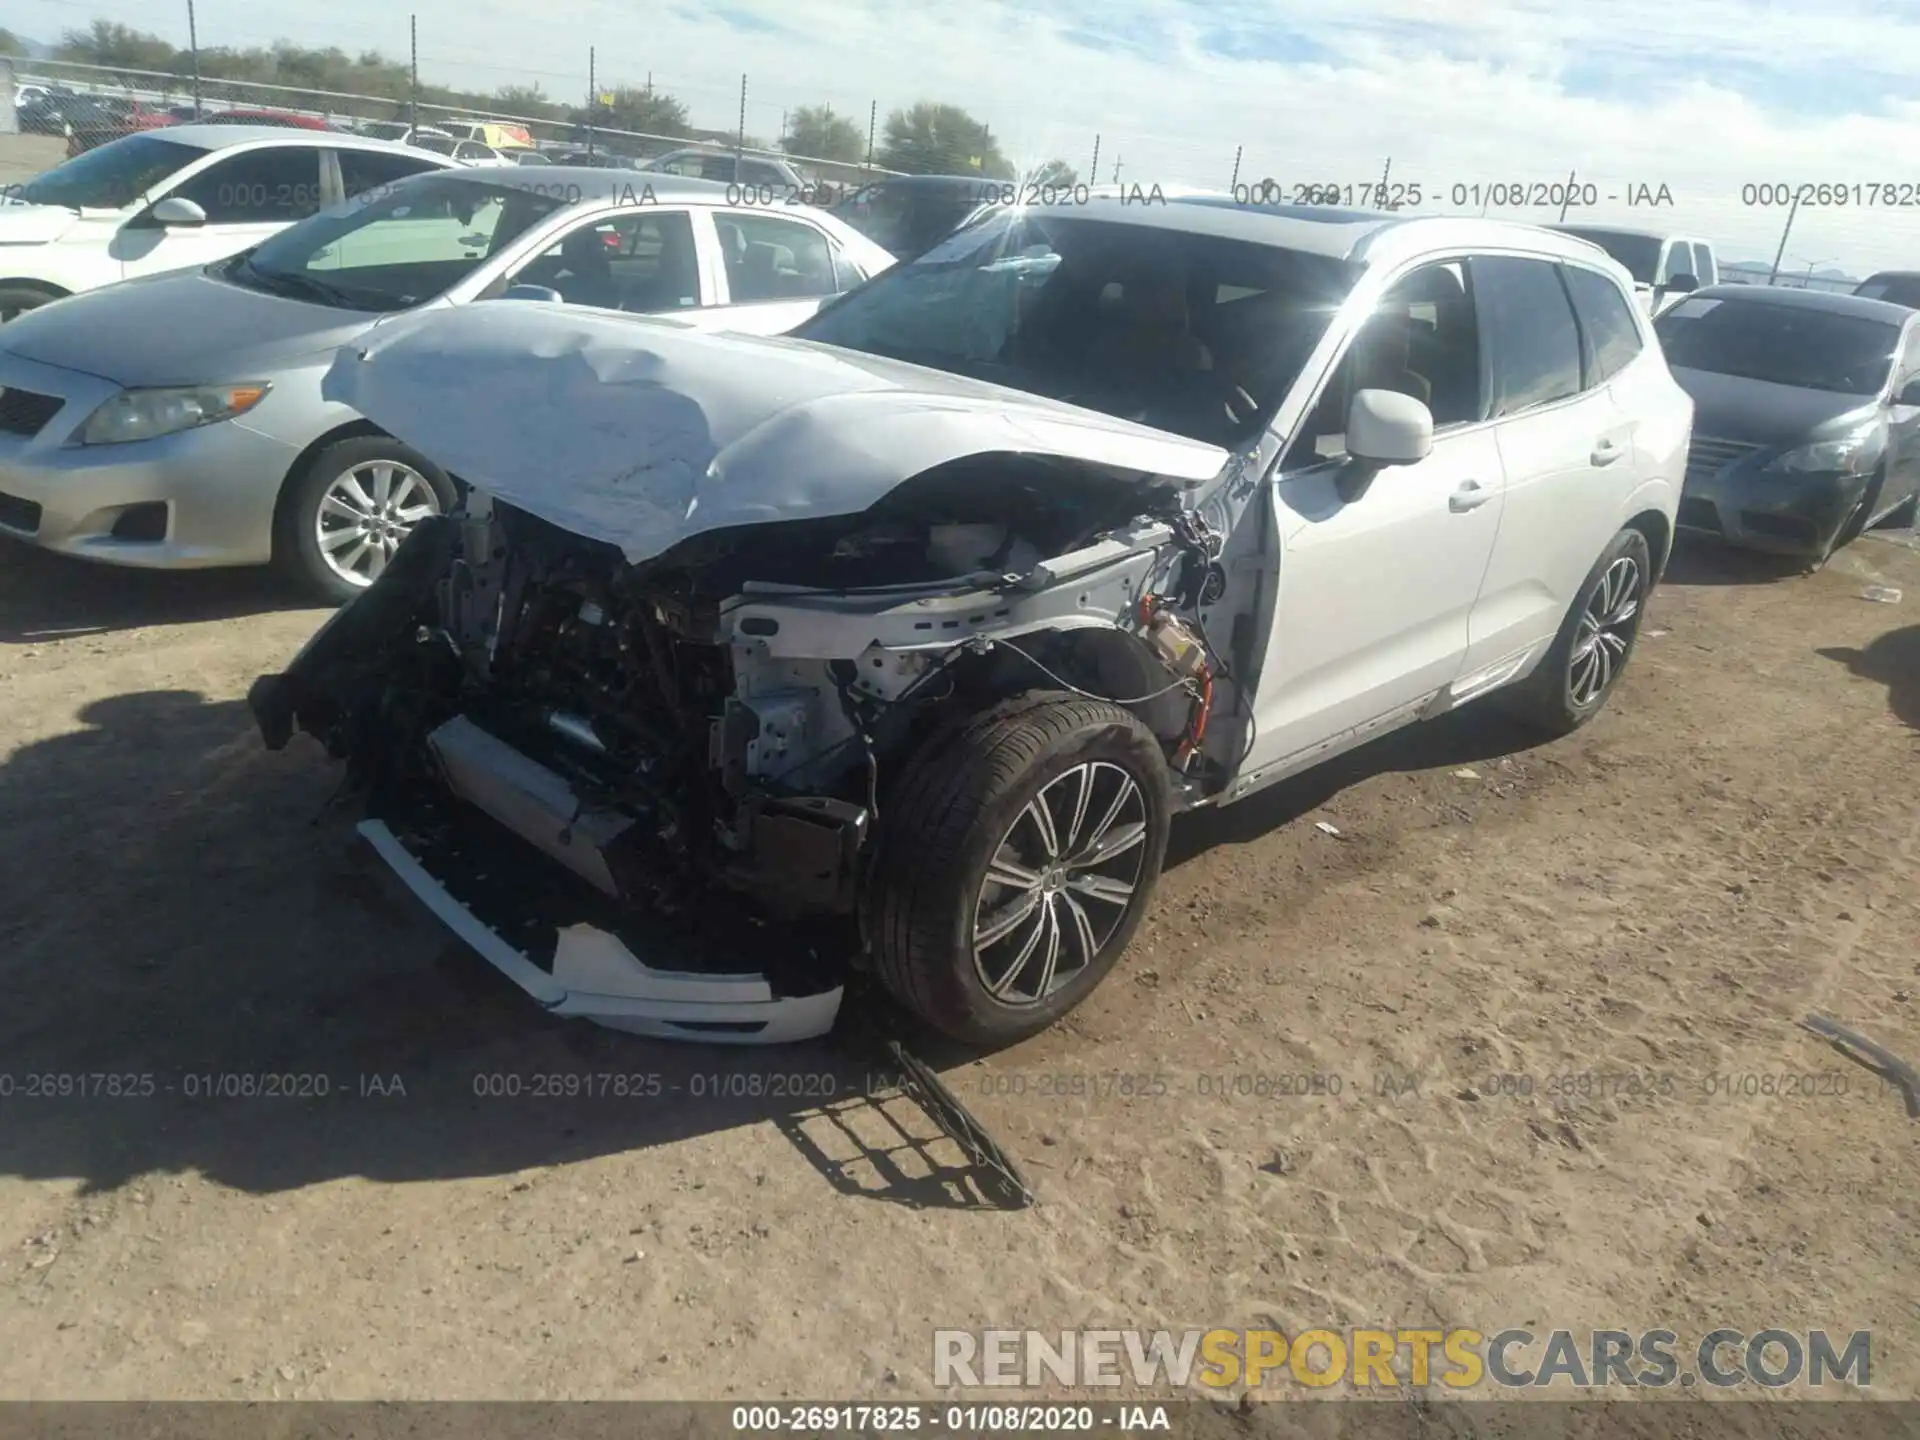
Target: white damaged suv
<point>894,645</point>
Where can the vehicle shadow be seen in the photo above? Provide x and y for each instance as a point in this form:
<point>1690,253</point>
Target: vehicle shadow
<point>202,974</point>
<point>1697,560</point>
<point>45,597</point>
<point>1461,737</point>
<point>1893,660</point>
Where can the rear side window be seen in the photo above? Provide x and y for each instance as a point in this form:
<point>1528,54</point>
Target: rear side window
<point>774,259</point>
<point>274,185</point>
<point>364,170</point>
<point>1705,268</point>
<point>1530,331</point>
<point>1606,323</point>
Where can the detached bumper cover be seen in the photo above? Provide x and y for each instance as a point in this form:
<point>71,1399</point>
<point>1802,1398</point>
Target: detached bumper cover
<point>596,977</point>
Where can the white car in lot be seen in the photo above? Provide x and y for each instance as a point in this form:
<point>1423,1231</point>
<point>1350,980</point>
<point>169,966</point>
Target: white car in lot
<point>174,197</point>
<point>178,421</point>
<point>894,644</point>
<point>1665,267</point>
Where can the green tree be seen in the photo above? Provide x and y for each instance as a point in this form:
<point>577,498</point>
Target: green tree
<point>638,108</point>
<point>107,42</point>
<point>528,100</point>
<point>11,44</point>
<point>932,138</point>
<point>1055,172</point>
<point>816,132</point>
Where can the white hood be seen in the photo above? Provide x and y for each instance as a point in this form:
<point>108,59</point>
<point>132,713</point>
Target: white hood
<point>24,224</point>
<point>643,434</point>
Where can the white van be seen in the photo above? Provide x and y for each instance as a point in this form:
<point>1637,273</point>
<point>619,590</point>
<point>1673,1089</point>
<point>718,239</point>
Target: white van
<point>1664,267</point>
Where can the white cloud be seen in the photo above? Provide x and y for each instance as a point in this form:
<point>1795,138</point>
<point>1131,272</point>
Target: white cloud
<point>1461,93</point>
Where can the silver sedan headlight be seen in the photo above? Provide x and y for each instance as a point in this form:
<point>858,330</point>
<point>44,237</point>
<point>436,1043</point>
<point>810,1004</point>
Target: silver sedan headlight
<point>145,414</point>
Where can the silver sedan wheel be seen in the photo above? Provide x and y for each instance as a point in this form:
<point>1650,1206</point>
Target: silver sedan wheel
<point>1060,882</point>
<point>1605,631</point>
<point>365,514</point>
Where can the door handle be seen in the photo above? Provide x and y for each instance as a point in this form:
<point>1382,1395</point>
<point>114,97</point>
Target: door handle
<point>1468,497</point>
<point>1605,452</point>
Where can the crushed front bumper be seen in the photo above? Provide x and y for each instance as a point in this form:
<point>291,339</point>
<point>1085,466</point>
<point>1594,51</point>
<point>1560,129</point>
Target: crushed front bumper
<point>595,976</point>
<point>1779,514</point>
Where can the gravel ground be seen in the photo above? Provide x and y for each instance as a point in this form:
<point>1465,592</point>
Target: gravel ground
<point>1731,845</point>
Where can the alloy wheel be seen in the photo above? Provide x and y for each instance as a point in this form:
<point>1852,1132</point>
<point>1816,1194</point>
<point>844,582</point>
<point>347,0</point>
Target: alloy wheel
<point>365,514</point>
<point>1605,631</point>
<point>1060,883</point>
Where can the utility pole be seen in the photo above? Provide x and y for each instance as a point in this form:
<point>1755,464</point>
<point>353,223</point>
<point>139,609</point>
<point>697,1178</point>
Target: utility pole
<point>1233,185</point>
<point>593,97</point>
<point>873,119</point>
<point>193,43</point>
<point>1116,171</point>
<point>1792,210</point>
<point>1567,198</point>
<point>413,84</point>
<point>740,140</point>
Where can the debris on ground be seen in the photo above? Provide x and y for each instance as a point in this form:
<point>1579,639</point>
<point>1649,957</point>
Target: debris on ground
<point>1466,772</point>
<point>1884,594</point>
<point>1325,829</point>
<point>1874,1056</point>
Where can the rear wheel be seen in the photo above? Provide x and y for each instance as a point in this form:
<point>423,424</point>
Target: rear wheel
<point>1015,858</point>
<point>345,515</point>
<point>1578,673</point>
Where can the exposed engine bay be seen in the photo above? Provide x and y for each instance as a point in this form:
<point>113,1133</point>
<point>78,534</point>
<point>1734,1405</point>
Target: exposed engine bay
<point>701,744</point>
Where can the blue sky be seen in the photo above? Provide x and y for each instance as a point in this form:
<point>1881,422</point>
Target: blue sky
<point>1703,97</point>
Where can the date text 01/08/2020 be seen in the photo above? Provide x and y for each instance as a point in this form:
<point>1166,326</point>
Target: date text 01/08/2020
<point>1461,194</point>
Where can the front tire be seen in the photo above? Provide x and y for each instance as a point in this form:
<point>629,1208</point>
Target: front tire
<point>1571,683</point>
<point>1015,858</point>
<point>343,516</point>
<point>18,299</point>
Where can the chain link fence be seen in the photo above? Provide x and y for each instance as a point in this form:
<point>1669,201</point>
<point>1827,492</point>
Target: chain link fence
<point>89,105</point>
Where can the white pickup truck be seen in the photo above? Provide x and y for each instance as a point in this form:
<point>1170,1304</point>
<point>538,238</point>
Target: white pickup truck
<point>1664,266</point>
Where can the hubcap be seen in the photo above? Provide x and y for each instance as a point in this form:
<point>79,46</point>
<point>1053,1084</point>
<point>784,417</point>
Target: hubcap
<point>1605,631</point>
<point>1060,883</point>
<point>365,514</point>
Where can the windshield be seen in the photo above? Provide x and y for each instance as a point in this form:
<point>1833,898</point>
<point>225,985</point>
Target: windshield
<point>439,144</point>
<point>1780,344</point>
<point>1894,289</point>
<point>1188,333</point>
<point>394,247</point>
<point>907,219</point>
<point>1639,253</point>
<point>111,177</point>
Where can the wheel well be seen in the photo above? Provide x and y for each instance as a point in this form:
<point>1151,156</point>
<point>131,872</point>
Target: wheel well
<point>352,430</point>
<point>22,283</point>
<point>1659,535</point>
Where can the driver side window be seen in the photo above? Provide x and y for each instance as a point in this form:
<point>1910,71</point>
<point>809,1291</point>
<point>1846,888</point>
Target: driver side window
<point>1423,340</point>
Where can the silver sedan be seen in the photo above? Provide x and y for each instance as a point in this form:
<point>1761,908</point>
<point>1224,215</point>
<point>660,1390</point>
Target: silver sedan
<point>178,421</point>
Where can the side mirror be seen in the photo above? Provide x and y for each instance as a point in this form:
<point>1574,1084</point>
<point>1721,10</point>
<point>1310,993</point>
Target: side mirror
<point>178,210</point>
<point>1681,284</point>
<point>534,292</point>
<point>1385,427</point>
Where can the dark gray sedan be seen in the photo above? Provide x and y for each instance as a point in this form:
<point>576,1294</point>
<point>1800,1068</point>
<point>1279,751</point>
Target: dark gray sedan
<point>1806,428</point>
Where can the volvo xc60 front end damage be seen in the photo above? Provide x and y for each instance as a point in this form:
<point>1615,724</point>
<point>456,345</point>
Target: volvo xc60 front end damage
<point>749,661</point>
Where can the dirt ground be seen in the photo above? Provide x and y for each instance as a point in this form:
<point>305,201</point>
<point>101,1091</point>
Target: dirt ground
<point>1731,845</point>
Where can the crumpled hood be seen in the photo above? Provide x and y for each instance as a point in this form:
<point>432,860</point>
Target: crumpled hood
<point>642,434</point>
<point>22,224</point>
